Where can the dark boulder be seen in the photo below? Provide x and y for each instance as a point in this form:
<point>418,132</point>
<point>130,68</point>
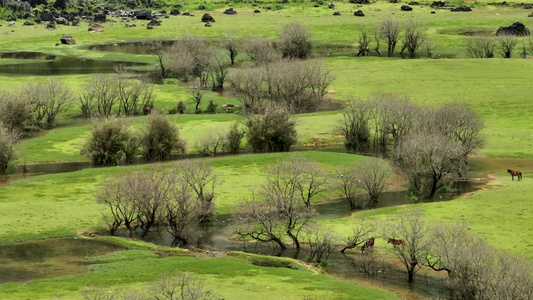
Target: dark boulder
<point>175,12</point>
<point>464,8</point>
<point>186,13</point>
<point>331,5</point>
<point>143,14</point>
<point>67,40</point>
<point>438,4</point>
<point>359,13</point>
<point>61,21</point>
<point>100,18</point>
<point>406,8</point>
<point>75,22</point>
<point>230,11</point>
<point>96,28</point>
<point>432,11</point>
<point>257,11</point>
<point>201,7</point>
<point>208,24</point>
<point>336,13</point>
<point>28,23</point>
<point>207,18</point>
<point>413,3</point>
<point>530,15</point>
<point>51,26</point>
<point>47,16</point>
<point>154,22</point>
<point>517,29</point>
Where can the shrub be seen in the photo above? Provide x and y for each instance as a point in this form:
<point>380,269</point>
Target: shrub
<point>272,131</point>
<point>295,41</point>
<point>7,151</point>
<point>160,137</point>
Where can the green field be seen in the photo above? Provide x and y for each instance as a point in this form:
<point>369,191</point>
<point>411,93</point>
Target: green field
<point>63,205</point>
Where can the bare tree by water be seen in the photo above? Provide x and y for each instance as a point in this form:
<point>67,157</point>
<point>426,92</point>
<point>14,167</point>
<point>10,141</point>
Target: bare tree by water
<point>363,49</point>
<point>361,232</point>
<point>47,100</point>
<point>389,32</point>
<point>413,37</point>
<point>372,177</point>
<point>260,51</point>
<point>480,45</point>
<point>322,242</point>
<point>230,43</point>
<point>15,112</point>
<point>507,44</point>
<point>8,138</point>
<point>355,125</point>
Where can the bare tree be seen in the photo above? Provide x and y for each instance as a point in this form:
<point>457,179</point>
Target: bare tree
<point>322,241</point>
<point>377,39</point>
<point>159,51</point>
<point>248,87</point>
<point>480,46</point>
<point>232,140</point>
<point>210,145</point>
<point>8,138</point>
<point>201,180</point>
<point>372,176</point>
<point>410,227</point>
<point>180,286</point>
<point>363,49</point>
<point>507,44</point>
<point>347,185</point>
<point>191,55</point>
<point>295,41</point>
<point>47,100</point>
<point>360,233</point>
<point>219,72</point>
<point>260,51</point>
<point>354,125</point>
<point>197,95</point>
<point>15,112</point>
<point>230,43</point>
<point>396,116</point>
<point>133,95</point>
<point>389,32</point>
<point>413,37</point>
<point>429,161</point>
<point>99,96</point>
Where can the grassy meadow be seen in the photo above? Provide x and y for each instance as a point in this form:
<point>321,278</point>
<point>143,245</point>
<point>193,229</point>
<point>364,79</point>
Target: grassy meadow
<point>63,205</point>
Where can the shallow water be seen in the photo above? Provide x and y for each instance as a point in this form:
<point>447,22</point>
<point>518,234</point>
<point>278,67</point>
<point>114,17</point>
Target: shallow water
<point>21,262</point>
<point>33,170</point>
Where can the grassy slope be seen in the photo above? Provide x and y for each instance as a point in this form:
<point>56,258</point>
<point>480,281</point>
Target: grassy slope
<point>230,277</point>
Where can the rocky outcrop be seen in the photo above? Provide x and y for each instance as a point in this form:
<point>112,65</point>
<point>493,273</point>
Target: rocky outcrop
<point>143,14</point>
<point>359,13</point>
<point>464,8</point>
<point>406,8</point>
<point>94,28</point>
<point>230,11</point>
<point>207,18</point>
<point>517,29</point>
<point>67,40</point>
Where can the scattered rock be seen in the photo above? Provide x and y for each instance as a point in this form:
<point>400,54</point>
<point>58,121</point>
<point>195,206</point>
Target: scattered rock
<point>154,22</point>
<point>230,11</point>
<point>331,5</point>
<point>257,11</point>
<point>359,13</point>
<point>432,11</point>
<point>11,23</point>
<point>207,18</point>
<point>201,7</point>
<point>530,15</point>
<point>167,16</point>
<point>436,56</point>
<point>336,13</point>
<point>75,22</point>
<point>96,28</point>
<point>143,14</point>
<point>149,27</point>
<point>438,4</point>
<point>406,8</point>
<point>175,12</point>
<point>67,40</point>
<point>61,21</point>
<point>100,18</point>
<point>51,26</point>
<point>208,24</point>
<point>186,13</point>
<point>517,29</point>
<point>464,8</point>
<point>359,5</point>
<point>47,16</point>
<point>28,23</point>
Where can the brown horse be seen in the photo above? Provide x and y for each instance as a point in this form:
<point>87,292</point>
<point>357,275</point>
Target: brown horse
<point>396,242</point>
<point>515,173</point>
<point>368,244</point>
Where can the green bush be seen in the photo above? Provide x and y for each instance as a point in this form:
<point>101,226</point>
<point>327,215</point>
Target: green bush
<point>160,137</point>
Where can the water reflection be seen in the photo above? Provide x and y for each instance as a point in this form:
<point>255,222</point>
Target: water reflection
<point>43,169</point>
<point>20,262</point>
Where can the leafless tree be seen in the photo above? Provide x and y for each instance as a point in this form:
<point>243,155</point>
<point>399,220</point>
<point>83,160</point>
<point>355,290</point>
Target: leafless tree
<point>372,176</point>
<point>428,46</point>
<point>191,55</point>
<point>363,49</point>
<point>248,87</point>
<point>260,51</point>
<point>429,161</point>
<point>99,96</point>
<point>295,41</point>
<point>361,232</point>
<point>389,32</point>
<point>197,95</point>
<point>202,182</point>
<point>47,100</point>
<point>159,51</point>
<point>410,227</point>
<point>507,44</point>
<point>180,286</point>
<point>210,145</point>
<point>133,94</point>
<point>347,185</point>
<point>8,138</point>
<point>377,39</point>
<point>413,37</point>
<point>219,72</point>
<point>396,116</point>
<point>355,125</point>
<point>480,46</point>
<point>230,44</point>
<point>98,293</point>
<point>322,241</point>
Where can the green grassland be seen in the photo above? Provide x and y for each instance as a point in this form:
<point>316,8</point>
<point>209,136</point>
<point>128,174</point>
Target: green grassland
<point>64,204</point>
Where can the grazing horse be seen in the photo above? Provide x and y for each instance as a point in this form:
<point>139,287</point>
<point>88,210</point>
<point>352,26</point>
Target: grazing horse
<point>515,173</point>
<point>396,242</point>
<point>368,244</point>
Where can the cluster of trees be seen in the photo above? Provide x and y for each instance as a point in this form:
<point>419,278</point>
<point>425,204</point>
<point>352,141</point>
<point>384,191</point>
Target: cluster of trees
<point>392,31</point>
<point>283,206</point>
<point>484,45</point>
<point>430,145</point>
<point>111,141</point>
<point>117,94</point>
<point>474,269</point>
<point>182,286</point>
<point>179,199</point>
